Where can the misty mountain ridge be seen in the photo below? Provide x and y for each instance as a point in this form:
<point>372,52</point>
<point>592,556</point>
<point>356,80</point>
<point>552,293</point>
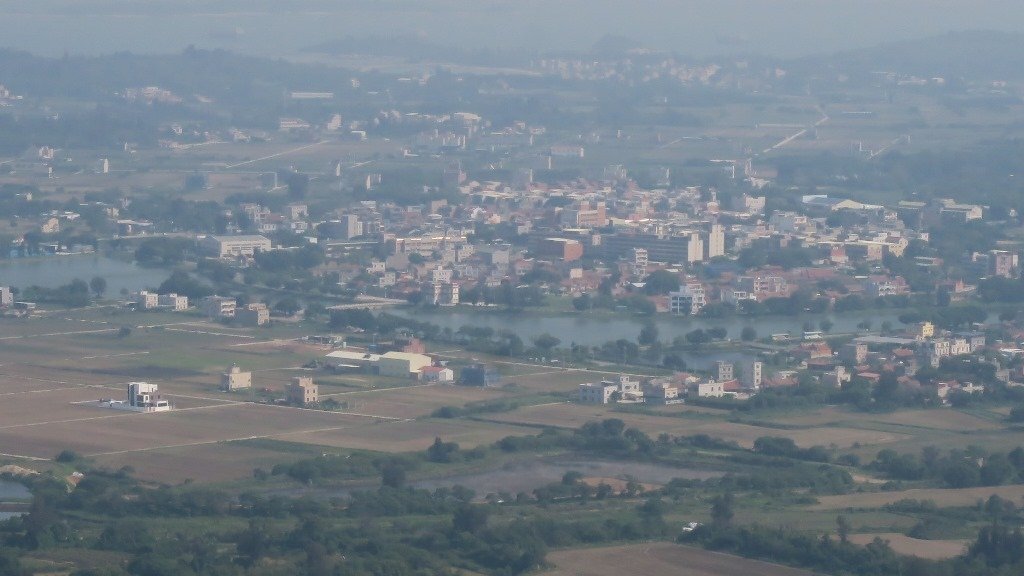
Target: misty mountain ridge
<point>971,55</point>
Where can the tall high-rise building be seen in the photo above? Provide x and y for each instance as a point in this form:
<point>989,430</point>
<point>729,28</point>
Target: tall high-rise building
<point>751,377</point>
<point>695,248</point>
<point>716,241</point>
<point>725,371</point>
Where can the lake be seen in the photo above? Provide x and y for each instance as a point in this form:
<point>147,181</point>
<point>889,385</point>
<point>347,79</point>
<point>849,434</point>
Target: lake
<point>53,271</point>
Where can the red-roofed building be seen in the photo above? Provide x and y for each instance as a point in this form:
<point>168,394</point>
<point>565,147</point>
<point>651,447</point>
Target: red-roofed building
<point>436,374</point>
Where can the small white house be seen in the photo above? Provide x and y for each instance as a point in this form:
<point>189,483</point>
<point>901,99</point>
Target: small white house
<point>436,374</point>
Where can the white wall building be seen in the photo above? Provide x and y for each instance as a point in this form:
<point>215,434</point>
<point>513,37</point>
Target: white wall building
<point>689,299</point>
<point>235,246</point>
<point>716,241</point>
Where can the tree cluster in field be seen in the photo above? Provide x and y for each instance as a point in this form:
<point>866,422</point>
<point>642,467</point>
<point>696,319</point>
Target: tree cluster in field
<point>998,549</point>
<point>955,468</point>
<point>393,530</point>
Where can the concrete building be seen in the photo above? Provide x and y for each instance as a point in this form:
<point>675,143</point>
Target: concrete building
<point>348,226</point>
<point>724,370</point>
<point>585,216</point>
<point>479,375</point>
<point>351,360</point>
<point>624,389</point>
<point>855,352</point>
<point>235,246</point>
<point>436,374</point>
<point>254,314</point>
<point>219,306</point>
<point>597,392</point>
<point>173,301</point>
<point>146,300</point>
<point>443,294</point>
<point>561,248</point>
<point>661,393</point>
<point>403,364</point>
<point>235,379</point>
<point>763,287</point>
<point>680,249</point>
<point>143,396</point>
<point>640,261</point>
<point>302,391</point>
<point>296,211</point>
<point>716,241</point>
<point>709,389</point>
<point>952,211</point>
<point>688,300</point>
<point>751,377</point>
<point>1002,263</point>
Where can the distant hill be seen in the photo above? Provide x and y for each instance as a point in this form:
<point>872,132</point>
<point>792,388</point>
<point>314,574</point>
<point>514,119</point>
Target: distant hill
<point>975,55</point>
<point>613,45</point>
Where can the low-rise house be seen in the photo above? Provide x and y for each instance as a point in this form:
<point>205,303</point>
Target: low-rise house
<point>235,379</point>
<point>254,314</point>
<point>219,306</point>
<point>658,392</point>
<point>302,391</point>
<point>146,300</point>
<point>623,390</point>
<point>708,389</point>
<point>437,374</point>
<point>173,301</point>
<point>479,375</point>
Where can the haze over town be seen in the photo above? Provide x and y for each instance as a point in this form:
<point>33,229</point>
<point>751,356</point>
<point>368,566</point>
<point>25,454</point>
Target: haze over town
<point>448,287</point>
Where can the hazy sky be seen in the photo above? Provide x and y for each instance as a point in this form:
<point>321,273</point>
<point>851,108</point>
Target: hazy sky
<point>700,27</point>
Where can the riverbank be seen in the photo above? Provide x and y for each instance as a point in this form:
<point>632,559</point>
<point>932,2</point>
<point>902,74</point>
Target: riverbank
<point>594,330</point>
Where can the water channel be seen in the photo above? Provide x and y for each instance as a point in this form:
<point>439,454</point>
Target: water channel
<point>596,330</point>
<point>53,271</point>
<point>13,492</point>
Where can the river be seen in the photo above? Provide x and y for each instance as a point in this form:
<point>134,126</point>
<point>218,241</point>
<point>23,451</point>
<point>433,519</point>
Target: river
<point>13,492</point>
<point>596,330</point>
<point>53,271</point>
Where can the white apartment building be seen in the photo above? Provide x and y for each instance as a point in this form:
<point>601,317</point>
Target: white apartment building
<point>173,301</point>
<point>146,300</point>
<point>235,246</point>
<point>602,392</point>
<point>716,241</point>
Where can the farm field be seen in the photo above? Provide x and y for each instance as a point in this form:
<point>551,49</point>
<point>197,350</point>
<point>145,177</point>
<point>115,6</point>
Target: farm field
<point>942,496</point>
<point>219,462</point>
<point>53,368</point>
<point>928,549</point>
<point>574,415</point>
<point>658,559</point>
<point>412,401</point>
<point>405,435</point>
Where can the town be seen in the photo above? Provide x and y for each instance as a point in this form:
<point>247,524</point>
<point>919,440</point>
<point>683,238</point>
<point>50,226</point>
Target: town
<point>416,317</point>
